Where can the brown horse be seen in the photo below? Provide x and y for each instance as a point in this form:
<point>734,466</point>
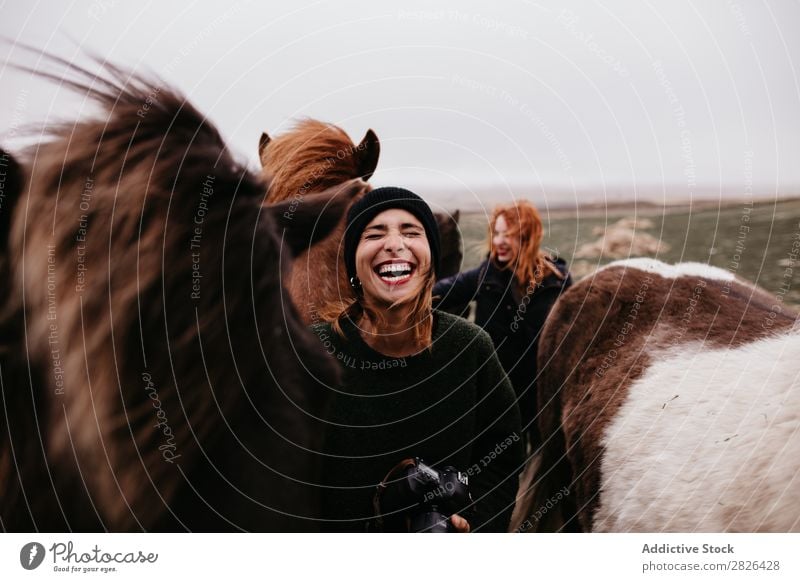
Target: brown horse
<point>670,399</point>
<point>314,156</point>
<point>153,377</point>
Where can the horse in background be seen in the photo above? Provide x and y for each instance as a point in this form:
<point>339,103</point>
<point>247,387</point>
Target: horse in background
<point>144,332</point>
<point>670,401</point>
<point>314,156</point>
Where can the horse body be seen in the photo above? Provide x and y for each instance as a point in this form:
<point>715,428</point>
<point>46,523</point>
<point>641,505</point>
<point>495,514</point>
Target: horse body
<point>153,375</point>
<point>669,398</point>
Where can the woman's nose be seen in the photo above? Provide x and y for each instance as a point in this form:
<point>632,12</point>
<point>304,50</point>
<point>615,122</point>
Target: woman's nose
<point>394,242</point>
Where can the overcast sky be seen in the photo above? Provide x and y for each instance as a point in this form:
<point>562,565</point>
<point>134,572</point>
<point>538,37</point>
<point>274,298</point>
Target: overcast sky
<point>569,100</point>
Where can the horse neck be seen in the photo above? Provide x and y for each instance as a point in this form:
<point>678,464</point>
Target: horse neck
<point>318,276</point>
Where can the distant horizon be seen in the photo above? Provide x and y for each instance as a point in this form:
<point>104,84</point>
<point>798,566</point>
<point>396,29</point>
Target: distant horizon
<point>476,199</point>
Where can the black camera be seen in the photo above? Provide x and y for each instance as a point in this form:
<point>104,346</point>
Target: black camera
<point>415,497</point>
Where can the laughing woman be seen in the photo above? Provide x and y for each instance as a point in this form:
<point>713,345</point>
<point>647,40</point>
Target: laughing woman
<point>514,290</point>
<point>416,383</point>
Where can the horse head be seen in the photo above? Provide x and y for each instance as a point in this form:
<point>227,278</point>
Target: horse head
<point>314,156</point>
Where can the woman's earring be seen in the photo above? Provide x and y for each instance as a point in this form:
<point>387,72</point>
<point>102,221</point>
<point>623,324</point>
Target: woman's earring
<point>355,283</point>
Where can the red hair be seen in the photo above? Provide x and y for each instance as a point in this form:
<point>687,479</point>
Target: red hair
<point>530,264</point>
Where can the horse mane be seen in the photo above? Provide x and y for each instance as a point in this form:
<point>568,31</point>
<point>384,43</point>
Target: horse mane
<point>311,157</point>
<point>102,286</point>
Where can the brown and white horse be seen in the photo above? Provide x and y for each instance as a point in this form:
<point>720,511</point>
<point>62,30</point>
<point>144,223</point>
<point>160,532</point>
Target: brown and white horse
<point>314,156</point>
<point>670,401</point>
<point>152,375</point>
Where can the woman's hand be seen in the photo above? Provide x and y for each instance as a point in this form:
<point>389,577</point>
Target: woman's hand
<point>461,524</point>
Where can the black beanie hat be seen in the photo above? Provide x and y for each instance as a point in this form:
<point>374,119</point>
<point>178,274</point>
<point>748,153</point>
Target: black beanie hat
<point>373,203</point>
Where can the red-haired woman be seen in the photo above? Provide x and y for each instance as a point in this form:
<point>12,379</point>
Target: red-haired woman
<point>514,290</point>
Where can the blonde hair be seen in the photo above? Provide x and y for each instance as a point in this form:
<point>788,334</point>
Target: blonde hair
<point>530,265</point>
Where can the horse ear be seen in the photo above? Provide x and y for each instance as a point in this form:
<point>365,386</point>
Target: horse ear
<point>369,150</point>
<point>311,218</point>
<point>263,142</point>
<point>456,216</point>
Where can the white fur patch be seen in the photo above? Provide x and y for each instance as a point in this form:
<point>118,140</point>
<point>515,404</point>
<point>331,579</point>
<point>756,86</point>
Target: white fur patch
<point>707,440</point>
<point>673,271</point>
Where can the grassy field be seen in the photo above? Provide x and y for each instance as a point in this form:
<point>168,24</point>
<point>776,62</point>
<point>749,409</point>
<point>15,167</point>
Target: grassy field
<point>754,241</point>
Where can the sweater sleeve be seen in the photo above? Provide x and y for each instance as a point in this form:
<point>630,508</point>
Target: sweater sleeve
<point>457,291</point>
<point>497,453</point>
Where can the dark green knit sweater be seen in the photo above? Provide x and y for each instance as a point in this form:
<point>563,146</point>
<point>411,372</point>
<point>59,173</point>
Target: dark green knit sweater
<point>452,405</point>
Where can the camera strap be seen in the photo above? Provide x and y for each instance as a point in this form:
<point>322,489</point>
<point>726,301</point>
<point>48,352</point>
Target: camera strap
<point>376,499</point>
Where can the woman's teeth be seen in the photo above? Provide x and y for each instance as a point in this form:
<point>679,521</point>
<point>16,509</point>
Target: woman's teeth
<point>395,272</point>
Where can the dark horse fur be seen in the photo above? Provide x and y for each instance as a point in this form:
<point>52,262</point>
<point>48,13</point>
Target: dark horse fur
<point>154,376</point>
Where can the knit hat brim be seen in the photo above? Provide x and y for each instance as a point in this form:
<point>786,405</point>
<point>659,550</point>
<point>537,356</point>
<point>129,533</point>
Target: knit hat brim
<point>380,200</point>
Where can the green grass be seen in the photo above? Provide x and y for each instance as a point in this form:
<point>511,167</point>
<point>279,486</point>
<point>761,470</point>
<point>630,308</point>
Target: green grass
<point>704,233</point>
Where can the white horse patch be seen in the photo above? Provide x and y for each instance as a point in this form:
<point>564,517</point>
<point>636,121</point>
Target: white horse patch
<point>700,270</point>
<point>707,440</point>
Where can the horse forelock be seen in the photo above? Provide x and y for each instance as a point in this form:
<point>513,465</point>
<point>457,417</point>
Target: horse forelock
<point>309,158</point>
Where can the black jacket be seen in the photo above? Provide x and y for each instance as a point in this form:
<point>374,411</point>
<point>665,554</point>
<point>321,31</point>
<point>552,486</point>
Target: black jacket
<point>512,318</point>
